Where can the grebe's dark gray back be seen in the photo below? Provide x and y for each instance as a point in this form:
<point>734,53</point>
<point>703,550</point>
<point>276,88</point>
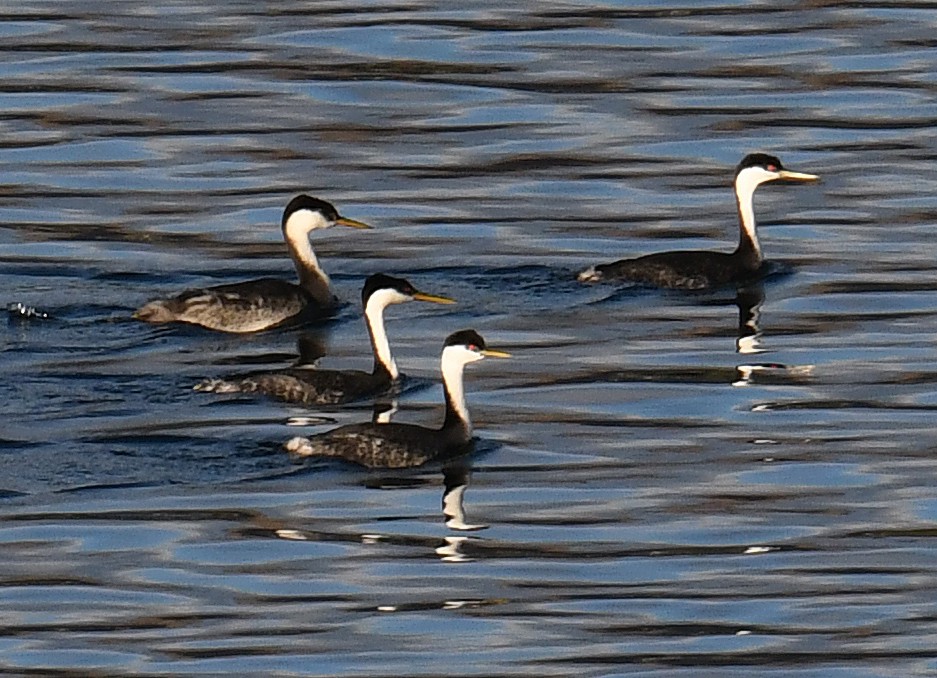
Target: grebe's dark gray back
<point>700,269</point>
<point>260,304</point>
<point>403,445</point>
<point>311,386</point>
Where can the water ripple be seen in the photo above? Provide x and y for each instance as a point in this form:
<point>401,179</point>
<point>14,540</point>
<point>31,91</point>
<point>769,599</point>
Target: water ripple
<point>722,484</point>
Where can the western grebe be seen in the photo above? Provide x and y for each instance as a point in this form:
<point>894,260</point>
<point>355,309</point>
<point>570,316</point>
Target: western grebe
<point>312,386</point>
<point>403,445</point>
<point>260,304</point>
<point>699,269</point>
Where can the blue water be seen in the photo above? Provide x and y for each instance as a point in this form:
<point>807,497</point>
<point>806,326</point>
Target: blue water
<point>665,484</point>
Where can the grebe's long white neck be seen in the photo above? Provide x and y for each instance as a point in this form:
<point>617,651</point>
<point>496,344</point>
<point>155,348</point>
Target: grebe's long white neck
<point>454,359</point>
<point>746,182</point>
<point>296,232</point>
<point>374,316</point>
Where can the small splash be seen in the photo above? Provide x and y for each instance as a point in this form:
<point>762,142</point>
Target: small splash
<point>19,311</point>
<point>589,275</point>
<point>299,446</point>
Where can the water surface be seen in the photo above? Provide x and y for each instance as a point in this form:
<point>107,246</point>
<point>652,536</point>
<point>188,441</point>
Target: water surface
<point>714,484</point>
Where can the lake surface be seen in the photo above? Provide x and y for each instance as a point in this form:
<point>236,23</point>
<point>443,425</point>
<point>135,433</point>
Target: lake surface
<point>665,484</point>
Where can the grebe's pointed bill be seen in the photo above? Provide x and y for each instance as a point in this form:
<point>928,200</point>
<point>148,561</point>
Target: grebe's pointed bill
<point>432,298</point>
<point>471,346</point>
<point>788,175</point>
<point>352,223</point>
<point>491,353</point>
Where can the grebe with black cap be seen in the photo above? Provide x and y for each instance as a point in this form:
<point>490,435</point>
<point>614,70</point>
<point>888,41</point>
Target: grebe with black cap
<point>260,304</point>
<point>403,445</point>
<point>700,269</point>
<point>312,386</point>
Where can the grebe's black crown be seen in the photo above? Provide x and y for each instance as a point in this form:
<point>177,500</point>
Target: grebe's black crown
<point>306,202</point>
<point>768,162</point>
<point>382,281</point>
<point>469,338</point>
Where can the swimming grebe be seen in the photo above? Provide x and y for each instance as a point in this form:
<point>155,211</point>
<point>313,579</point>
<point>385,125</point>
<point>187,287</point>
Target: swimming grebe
<point>700,269</point>
<point>260,304</point>
<point>404,445</point>
<point>312,386</point>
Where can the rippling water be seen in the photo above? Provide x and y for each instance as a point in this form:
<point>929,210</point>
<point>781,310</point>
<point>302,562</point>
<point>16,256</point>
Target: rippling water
<point>666,484</point>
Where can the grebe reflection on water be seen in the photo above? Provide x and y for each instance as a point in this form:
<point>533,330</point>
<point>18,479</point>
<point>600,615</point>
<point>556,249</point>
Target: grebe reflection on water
<point>449,547</point>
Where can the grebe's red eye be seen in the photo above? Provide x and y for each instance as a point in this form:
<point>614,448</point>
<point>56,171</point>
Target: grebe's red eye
<point>472,347</point>
<point>772,168</point>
